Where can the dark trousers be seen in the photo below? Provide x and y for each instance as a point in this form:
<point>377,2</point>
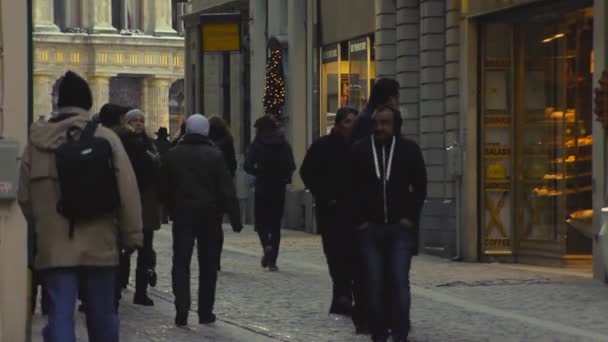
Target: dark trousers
<point>146,261</point>
<point>208,234</point>
<point>97,286</point>
<point>336,249</point>
<point>269,207</point>
<point>44,300</point>
<point>386,252</point>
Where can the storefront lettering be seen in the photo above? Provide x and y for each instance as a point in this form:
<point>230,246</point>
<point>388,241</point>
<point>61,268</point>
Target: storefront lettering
<point>497,150</point>
<point>498,243</point>
<point>358,47</point>
<point>329,54</point>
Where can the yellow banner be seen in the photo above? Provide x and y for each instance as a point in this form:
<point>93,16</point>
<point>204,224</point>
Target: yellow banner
<point>221,37</point>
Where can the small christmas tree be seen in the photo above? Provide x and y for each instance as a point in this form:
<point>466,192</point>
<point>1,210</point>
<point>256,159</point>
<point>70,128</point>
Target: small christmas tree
<point>274,96</point>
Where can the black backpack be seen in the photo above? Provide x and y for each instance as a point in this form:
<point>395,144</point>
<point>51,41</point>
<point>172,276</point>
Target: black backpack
<point>87,177</point>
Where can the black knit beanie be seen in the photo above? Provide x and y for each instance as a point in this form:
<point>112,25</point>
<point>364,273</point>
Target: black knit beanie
<point>74,91</point>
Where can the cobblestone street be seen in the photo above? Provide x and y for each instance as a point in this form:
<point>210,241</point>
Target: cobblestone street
<point>451,301</point>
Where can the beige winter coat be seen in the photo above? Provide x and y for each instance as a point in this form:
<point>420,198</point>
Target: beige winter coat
<point>95,243</point>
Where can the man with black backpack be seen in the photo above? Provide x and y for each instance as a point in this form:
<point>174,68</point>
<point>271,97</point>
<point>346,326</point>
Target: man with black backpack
<point>76,187</point>
<point>270,160</point>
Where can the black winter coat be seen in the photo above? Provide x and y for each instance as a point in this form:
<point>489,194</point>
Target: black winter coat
<point>163,145</point>
<point>194,177</point>
<point>226,145</point>
<point>270,160</point>
<point>325,167</point>
<point>405,189</point>
<point>146,164</point>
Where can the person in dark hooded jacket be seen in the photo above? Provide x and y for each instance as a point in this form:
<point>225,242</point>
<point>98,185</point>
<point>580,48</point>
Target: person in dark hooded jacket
<point>389,175</point>
<point>323,171</point>
<point>219,133</point>
<point>385,92</point>
<point>270,160</point>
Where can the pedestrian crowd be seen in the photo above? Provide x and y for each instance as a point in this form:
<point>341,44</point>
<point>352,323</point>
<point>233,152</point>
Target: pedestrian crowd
<point>95,189</point>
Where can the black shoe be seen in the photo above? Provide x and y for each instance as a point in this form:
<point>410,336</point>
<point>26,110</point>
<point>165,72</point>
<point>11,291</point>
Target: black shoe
<point>142,300</point>
<point>265,261</point>
<point>342,306</point>
<point>152,277</point>
<point>181,319</point>
<point>363,329</point>
<point>207,319</point>
<point>273,268</point>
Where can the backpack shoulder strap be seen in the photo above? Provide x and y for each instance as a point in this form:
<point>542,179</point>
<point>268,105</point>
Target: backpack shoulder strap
<point>89,130</point>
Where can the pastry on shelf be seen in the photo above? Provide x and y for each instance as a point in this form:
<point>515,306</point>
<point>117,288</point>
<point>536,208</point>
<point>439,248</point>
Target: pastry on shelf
<point>553,176</point>
<point>557,115</point>
<point>544,191</point>
<point>585,214</point>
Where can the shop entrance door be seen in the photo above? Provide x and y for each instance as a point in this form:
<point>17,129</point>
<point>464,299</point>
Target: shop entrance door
<point>537,107</point>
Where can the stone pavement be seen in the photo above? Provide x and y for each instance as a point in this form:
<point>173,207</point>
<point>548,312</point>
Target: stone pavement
<point>451,301</point>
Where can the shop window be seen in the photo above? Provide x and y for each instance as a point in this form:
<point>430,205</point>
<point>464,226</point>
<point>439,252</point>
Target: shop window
<point>536,109</point>
<point>347,71</point>
<point>330,87</point>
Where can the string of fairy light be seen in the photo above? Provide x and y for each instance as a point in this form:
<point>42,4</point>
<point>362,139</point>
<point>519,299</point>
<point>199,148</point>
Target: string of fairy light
<point>274,92</point>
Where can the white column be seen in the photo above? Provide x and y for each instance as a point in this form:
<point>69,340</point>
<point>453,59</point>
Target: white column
<point>385,38</point>
<point>43,101</point>
<point>162,18</point>
<point>296,83</point>
<point>257,28</point>
<point>44,20</point>
<point>156,103</point>
<point>97,16</point>
<point>100,88</point>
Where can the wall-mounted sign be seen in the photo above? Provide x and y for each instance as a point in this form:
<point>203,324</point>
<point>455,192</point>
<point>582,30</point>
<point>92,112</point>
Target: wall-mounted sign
<point>221,37</point>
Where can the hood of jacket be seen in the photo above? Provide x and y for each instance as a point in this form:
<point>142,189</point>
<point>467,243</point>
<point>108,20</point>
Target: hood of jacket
<point>50,135</point>
<point>270,139</point>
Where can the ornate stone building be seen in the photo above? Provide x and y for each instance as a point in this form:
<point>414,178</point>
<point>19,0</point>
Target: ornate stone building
<point>131,52</point>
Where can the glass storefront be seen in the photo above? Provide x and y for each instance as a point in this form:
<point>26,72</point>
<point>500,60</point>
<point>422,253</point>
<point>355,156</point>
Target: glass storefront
<point>347,72</point>
<point>536,104</point>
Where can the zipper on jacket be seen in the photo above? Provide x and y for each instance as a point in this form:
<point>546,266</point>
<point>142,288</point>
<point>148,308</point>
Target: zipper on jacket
<point>386,168</point>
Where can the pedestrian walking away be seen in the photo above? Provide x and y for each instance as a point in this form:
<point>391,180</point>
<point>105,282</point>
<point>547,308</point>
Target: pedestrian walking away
<point>390,177</point>
<point>197,189</point>
<point>323,172</point>
<point>76,183</point>
<point>270,160</point>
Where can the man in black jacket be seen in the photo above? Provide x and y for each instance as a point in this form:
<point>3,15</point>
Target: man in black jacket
<point>198,190</point>
<point>270,160</point>
<point>389,175</point>
<point>323,171</point>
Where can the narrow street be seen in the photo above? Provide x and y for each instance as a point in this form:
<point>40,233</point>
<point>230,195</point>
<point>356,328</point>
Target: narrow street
<point>451,301</point>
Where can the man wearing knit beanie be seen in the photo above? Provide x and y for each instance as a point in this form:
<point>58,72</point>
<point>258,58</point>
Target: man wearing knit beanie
<point>74,92</point>
<point>197,189</point>
<point>77,255</point>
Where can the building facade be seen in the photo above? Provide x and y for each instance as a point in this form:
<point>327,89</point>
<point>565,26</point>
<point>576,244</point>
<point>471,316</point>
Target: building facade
<point>131,52</point>
<point>499,95</point>
<point>14,108</point>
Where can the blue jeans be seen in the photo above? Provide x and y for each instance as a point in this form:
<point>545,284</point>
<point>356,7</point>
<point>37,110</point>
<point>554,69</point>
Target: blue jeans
<point>386,254</point>
<point>62,286</point>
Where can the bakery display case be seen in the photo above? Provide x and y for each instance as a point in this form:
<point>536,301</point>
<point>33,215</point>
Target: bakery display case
<point>536,138</point>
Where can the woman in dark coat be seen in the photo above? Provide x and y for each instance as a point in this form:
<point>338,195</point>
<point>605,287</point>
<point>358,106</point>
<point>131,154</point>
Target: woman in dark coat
<point>129,125</point>
<point>270,160</point>
<point>219,133</point>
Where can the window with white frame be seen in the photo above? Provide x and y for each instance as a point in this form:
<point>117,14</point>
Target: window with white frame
<point>127,15</point>
<point>68,15</point>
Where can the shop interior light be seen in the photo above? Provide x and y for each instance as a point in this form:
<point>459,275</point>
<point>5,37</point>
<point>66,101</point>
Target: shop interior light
<point>557,36</point>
